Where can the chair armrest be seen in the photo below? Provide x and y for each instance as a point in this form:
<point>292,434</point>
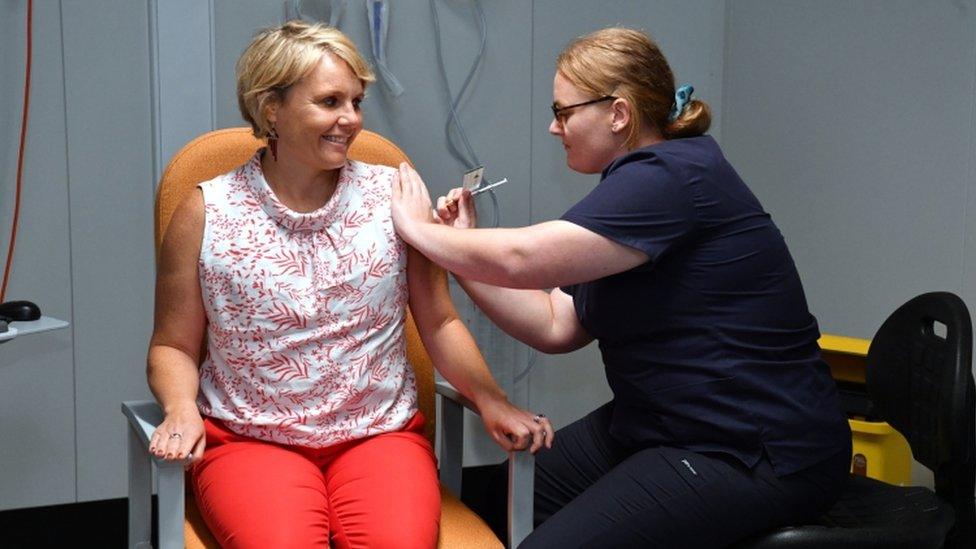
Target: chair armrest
<point>521,465</point>
<point>450,431</point>
<point>143,417</point>
<point>446,390</point>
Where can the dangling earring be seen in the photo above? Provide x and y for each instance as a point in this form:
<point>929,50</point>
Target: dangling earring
<point>273,143</point>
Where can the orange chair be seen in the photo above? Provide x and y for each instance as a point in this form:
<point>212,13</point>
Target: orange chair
<point>178,518</point>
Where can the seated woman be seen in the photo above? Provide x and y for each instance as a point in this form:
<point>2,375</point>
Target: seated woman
<point>301,425</point>
<point>724,420</point>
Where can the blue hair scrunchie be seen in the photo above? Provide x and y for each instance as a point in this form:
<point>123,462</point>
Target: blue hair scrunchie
<point>682,96</point>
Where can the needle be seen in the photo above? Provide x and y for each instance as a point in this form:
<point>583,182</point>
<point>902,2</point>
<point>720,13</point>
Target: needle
<point>480,190</point>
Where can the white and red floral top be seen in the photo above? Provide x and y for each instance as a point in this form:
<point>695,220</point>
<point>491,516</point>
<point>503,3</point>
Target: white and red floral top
<point>305,311</point>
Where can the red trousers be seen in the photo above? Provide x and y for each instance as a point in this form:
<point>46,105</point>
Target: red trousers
<point>381,491</point>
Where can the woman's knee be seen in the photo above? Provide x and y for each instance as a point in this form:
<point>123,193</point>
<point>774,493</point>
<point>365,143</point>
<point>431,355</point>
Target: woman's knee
<point>250,494</point>
<point>385,493</point>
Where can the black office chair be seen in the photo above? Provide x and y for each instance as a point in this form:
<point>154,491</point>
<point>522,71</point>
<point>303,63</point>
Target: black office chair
<point>920,381</point>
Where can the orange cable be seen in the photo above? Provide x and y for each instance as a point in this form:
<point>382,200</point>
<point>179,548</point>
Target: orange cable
<point>20,156</point>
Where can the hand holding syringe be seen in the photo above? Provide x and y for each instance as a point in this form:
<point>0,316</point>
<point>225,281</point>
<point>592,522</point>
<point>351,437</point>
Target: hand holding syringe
<point>450,202</point>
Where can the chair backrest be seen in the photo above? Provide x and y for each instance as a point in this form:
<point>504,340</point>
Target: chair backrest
<point>221,151</point>
<point>919,376</point>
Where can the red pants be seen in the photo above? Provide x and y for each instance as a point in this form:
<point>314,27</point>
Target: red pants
<point>381,491</point>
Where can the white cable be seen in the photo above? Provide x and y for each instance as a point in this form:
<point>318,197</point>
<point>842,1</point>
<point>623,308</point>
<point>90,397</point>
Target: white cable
<point>468,158</point>
<point>293,10</point>
<point>377,12</point>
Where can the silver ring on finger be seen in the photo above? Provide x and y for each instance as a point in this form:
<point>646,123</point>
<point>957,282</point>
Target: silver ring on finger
<point>538,418</point>
<point>176,435</point>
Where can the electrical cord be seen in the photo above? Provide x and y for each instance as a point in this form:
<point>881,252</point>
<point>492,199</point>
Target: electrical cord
<point>20,155</point>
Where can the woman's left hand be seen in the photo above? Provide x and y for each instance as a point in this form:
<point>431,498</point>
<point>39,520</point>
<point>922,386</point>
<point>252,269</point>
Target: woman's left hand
<point>411,202</point>
<point>516,429</point>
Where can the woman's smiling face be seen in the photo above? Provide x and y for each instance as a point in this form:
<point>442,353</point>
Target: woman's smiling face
<point>319,116</point>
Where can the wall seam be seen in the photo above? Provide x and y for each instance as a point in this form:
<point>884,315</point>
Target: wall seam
<point>71,262</point>
<point>155,122</point>
<point>213,65</point>
<point>964,286</point>
<point>724,94</point>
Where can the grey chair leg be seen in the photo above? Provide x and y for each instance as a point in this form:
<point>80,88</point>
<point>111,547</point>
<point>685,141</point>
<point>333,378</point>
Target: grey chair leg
<point>521,494</point>
<point>140,491</point>
<point>521,465</point>
<point>452,445</point>
<point>171,505</point>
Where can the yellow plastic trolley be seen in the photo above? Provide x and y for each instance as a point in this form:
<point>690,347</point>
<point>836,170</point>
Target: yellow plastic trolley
<point>879,451</point>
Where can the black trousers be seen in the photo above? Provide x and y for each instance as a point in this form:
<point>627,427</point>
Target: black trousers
<point>592,492</point>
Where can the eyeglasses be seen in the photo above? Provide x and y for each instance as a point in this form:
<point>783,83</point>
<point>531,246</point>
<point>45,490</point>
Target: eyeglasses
<point>557,111</point>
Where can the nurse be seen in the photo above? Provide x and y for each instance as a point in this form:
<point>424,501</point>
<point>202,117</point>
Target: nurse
<point>724,420</point>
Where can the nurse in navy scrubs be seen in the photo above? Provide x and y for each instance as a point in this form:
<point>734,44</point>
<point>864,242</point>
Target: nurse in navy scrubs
<point>724,421</point>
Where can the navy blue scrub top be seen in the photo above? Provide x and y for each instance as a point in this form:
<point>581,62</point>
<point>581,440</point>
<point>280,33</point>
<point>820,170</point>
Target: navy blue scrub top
<point>708,346</point>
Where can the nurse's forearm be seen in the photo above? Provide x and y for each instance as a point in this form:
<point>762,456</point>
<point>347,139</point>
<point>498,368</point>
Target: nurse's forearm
<point>529,316</point>
<point>501,257</point>
<point>522,314</point>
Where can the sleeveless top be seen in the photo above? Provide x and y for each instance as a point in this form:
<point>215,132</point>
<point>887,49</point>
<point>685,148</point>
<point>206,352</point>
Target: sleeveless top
<point>305,311</point>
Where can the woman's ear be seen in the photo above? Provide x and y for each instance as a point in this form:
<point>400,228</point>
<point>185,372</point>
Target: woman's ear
<point>270,105</point>
<point>620,115</point>
<point>271,112</point>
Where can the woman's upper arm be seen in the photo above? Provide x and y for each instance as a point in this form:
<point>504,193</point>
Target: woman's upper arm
<point>179,315</point>
<point>430,300</point>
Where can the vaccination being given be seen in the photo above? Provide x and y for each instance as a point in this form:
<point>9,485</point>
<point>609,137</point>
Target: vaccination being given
<point>724,420</point>
<point>301,426</point>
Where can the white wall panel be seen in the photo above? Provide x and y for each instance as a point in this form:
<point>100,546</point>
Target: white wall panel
<point>182,79</point>
<point>109,136</point>
<point>853,122</point>
<point>37,398</point>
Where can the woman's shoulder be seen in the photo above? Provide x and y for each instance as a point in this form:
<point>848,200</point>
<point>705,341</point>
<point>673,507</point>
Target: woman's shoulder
<point>240,174</point>
<point>368,179</point>
<point>359,168</point>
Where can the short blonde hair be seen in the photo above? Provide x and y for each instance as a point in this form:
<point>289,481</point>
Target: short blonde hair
<point>626,63</point>
<point>280,56</point>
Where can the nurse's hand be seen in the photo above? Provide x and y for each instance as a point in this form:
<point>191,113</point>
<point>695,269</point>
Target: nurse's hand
<point>457,209</point>
<point>411,202</point>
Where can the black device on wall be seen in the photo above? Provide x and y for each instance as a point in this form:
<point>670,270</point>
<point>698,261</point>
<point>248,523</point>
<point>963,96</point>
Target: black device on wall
<point>19,311</point>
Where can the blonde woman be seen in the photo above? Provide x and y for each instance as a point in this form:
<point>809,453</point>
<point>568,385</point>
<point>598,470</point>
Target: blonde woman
<point>724,420</point>
<point>301,424</point>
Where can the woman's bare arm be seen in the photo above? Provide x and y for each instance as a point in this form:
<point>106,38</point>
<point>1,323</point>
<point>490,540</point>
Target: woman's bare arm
<point>172,365</point>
